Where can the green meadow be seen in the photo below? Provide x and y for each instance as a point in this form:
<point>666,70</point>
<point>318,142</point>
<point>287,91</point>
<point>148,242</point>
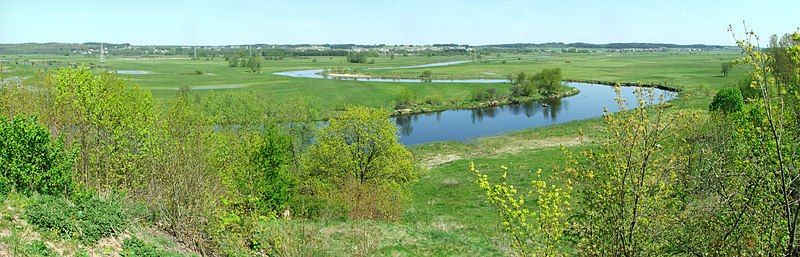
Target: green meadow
<point>448,214</point>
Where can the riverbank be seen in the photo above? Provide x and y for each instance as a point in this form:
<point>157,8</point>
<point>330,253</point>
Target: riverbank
<point>471,104</point>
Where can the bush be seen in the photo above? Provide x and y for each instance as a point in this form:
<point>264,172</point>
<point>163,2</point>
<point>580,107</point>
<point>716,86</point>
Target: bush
<point>405,99</point>
<point>134,246</point>
<point>30,160</point>
<point>480,94</point>
<point>87,220</point>
<point>727,100</point>
<point>434,99</point>
<point>426,76</point>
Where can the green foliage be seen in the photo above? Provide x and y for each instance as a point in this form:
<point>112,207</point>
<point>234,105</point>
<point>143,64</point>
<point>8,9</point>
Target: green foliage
<point>108,118</point>
<point>270,184</point>
<point>726,68</point>
<point>31,161</point>
<point>405,100</point>
<point>359,154</point>
<point>426,76</point>
<point>356,57</point>
<point>484,94</point>
<point>727,100</point>
<point>87,220</point>
<point>547,82</point>
<point>254,64</point>
<point>134,246</point>
<point>536,221</point>
<point>38,248</point>
<point>434,99</point>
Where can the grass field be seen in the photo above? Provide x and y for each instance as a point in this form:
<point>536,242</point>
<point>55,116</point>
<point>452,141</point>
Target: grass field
<point>448,215</point>
<point>696,73</point>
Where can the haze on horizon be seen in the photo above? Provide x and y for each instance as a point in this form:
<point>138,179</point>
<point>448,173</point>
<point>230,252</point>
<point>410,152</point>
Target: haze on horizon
<point>149,22</point>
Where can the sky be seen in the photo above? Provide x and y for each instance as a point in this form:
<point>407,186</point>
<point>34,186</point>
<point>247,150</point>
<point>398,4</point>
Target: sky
<point>241,22</point>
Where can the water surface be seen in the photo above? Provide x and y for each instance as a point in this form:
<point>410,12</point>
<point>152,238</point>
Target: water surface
<point>466,124</point>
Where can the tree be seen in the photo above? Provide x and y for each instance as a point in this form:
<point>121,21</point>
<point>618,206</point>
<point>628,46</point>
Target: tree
<point>770,137</point>
<point>726,68</point>
<point>356,57</point>
<point>254,64</point>
<point>358,153</point>
<point>270,184</point>
<point>108,118</point>
<point>727,100</point>
<point>548,81</point>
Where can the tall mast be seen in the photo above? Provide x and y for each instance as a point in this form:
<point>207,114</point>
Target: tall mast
<point>102,53</point>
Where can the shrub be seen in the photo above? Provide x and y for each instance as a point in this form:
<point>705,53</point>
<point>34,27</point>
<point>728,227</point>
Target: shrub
<point>405,99</point>
<point>134,246</point>
<point>87,220</point>
<point>480,94</point>
<point>426,76</point>
<point>434,99</point>
<point>30,160</point>
<point>727,100</point>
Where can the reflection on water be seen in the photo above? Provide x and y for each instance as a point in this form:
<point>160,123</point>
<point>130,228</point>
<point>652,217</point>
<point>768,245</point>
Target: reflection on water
<point>460,125</point>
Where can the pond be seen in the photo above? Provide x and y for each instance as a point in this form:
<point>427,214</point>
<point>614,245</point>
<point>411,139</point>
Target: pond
<point>466,124</point>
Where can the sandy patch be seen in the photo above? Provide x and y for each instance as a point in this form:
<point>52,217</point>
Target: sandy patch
<point>346,75</point>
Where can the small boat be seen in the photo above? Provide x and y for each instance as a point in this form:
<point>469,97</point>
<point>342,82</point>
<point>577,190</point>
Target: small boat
<point>545,105</point>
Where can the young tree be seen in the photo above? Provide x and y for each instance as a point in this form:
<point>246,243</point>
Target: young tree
<point>772,139</point>
<point>359,154</point>
<point>726,68</point>
<point>108,118</point>
<point>548,81</point>
<point>254,64</point>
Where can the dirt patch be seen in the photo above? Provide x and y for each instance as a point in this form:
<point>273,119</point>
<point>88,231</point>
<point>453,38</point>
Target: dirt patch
<point>4,251</point>
<point>109,246</point>
<point>518,146</point>
<point>439,159</point>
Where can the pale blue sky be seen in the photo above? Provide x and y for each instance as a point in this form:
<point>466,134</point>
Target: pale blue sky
<point>392,22</point>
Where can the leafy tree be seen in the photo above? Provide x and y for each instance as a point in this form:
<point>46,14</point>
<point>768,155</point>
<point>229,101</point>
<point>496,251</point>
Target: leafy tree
<point>770,138</point>
<point>254,64</point>
<point>726,68</point>
<point>31,161</point>
<point>358,153</point>
<point>356,57</point>
<point>727,100</point>
<point>270,184</point>
<point>108,118</point>
<point>548,81</point>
